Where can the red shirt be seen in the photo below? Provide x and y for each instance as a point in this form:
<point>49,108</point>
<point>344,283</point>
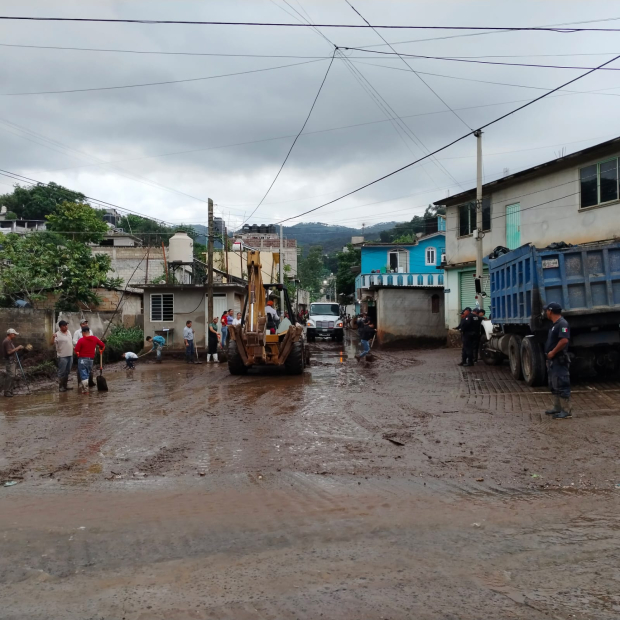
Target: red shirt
<point>86,345</point>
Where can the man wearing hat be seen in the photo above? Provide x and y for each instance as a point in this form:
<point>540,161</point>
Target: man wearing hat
<point>8,352</point>
<point>64,351</point>
<point>558,362</point>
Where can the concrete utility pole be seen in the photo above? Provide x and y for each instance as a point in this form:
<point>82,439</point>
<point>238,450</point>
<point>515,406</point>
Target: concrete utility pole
<point>479,224</point>
<point>282,269</point>
<point>210,265</point>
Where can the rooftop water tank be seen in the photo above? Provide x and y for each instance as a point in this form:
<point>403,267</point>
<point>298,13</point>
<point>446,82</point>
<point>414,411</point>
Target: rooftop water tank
<point>181,248</point>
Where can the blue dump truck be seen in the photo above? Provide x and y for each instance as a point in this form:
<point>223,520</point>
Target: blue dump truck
<point>583,279</point>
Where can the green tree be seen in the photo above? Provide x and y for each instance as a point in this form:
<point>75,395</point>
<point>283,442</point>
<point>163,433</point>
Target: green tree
<point>77,221</point>
<point>345,277</point>
<point>32,264</point>
<point>311,271</point>
<point>34,203</point>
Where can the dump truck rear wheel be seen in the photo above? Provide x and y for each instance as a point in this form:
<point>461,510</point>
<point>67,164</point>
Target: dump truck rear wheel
<point>533,362</point>
<point>235,363</point>
<point>514,356</point>
<point>294,363</point>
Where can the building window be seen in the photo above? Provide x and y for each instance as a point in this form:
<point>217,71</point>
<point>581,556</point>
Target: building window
<point>162,307</point>
<point>399,261</point>
<point>467,217</point>
<point>599,183</point>
<point>435,304</point>
<point>431,256</point>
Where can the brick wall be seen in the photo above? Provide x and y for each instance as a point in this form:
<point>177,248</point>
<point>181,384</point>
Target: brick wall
<point>35,327</point>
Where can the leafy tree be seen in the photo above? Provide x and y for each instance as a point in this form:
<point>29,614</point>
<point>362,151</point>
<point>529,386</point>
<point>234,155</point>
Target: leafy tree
<point>10,215</point>
<point>77,221</point>
<point>405,232</point>
<point>34,203</point>
<point>345,278</point>
<point>151,233</point>
<point>311,271</point>
<point>32,264</point>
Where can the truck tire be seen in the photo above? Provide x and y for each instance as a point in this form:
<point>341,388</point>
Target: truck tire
<point>294,363</point>
<point>235,363</point>
<point>489,356</point>
<point>514,357</point>
<point>533,362</point>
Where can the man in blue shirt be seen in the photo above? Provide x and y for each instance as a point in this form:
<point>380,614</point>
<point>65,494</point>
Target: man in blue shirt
<point>158,344</point>
<point>188,339</point>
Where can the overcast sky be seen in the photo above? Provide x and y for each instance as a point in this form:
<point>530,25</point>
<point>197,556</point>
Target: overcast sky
<point>150,148</point>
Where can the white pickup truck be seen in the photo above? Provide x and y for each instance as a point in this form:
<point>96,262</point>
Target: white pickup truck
<point>324,321</point>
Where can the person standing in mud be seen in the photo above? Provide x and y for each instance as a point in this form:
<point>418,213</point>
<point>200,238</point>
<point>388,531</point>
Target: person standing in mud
<point>188,340</point>
<point>63,342</point>
<point>9,352</point>
<point>213,338</point>
<point>85,350</point>
<point>470,329</point>
<point>558,362</point>
<point>368,333</point>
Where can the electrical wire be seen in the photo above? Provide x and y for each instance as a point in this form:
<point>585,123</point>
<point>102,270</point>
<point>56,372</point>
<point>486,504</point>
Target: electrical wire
<point>455,141</point>
<point>410,67</point>
<point>479,62</point>
<point>166,82</point>
<point>331,62</point>
<point>298,25</point>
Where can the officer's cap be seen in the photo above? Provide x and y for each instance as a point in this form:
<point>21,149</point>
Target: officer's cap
<point>554,307</point>
<point>466,309</point>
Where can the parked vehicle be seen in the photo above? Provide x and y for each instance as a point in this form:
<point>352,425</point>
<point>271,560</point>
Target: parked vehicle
<point>324,320</point>
<point>583,279</point>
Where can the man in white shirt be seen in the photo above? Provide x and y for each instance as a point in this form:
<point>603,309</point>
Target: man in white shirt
<point>237,321</point>
<point>64,351</point>
<point>188,339</point>
<point>77,334</point>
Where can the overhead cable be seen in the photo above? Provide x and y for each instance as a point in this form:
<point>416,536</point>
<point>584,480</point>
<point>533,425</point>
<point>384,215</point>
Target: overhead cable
<point>455,141</point>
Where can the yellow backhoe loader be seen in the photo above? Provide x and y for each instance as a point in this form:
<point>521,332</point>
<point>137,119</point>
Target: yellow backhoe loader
<point>262,339</point>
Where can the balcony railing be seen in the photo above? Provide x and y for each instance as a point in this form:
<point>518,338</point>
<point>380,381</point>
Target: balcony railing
<point>368,280</point>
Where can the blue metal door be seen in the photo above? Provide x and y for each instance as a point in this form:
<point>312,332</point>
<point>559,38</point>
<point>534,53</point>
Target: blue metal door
<point>513,226</point>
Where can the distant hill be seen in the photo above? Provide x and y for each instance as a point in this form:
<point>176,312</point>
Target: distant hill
<point>331,237</point>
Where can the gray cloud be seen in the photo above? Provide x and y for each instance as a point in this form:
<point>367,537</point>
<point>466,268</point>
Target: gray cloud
<point>143,124</point>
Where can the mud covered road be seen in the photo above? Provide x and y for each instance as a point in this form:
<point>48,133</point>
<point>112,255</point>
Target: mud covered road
<point>409,489</point>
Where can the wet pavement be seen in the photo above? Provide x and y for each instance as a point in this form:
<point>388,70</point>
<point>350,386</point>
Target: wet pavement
<point>408,489</point>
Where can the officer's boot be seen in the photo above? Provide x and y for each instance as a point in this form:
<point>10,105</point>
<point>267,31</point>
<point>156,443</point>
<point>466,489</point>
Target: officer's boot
<point>566,410</point>
<point>556,406</point>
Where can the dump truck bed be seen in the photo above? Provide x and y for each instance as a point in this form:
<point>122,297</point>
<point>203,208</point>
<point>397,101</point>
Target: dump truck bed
<point>583,279</point>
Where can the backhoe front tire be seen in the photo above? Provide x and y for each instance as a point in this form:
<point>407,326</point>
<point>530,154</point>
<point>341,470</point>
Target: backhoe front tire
<point>235,363</point>
<point>294,363</point>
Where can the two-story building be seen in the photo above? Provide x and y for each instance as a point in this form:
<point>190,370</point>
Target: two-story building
<point>575,199</point>
<point>401,288</point>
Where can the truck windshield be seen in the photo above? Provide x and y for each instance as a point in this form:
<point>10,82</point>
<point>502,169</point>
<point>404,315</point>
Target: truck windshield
<point>325,309</point>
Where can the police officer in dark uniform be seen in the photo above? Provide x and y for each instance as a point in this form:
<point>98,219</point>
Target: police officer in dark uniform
<point>479,312</point>
<point>558,362</point>
<point>470,331</point>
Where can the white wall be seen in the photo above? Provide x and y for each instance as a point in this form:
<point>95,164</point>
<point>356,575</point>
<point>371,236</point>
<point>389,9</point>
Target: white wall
<point>541,224</point>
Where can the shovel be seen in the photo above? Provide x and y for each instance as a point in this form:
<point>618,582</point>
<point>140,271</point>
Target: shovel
<point>369,356</point>
<point>102,384</point>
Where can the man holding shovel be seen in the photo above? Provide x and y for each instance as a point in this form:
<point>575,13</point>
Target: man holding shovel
<point>9,352</point>
<point>85,350</point>
<point>367,334</point>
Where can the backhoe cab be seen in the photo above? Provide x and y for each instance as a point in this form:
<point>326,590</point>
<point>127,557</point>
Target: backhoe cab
<point>262,339</point>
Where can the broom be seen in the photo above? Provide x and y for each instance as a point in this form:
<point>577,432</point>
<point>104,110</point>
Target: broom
<point>102,384</point>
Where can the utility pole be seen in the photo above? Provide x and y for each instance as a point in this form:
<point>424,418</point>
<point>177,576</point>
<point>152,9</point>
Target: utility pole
<point>282,269</point>
<point>210,265</point>
<point>479,224</point>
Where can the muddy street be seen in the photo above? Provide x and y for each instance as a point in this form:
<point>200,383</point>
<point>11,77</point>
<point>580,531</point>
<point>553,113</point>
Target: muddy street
<point>412,488</point>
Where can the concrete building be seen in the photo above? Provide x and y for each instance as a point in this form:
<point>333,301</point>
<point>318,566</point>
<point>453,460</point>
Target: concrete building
<point>401,287</point>
<point>168,307</point>
<point>575,199</point>
<point>20,227</point>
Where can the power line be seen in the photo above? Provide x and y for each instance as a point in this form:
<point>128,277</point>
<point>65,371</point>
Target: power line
<point>301,25</point>
<point>297,136</point>
<point>479,62</point>
<point>443,148</point>
<point>199,79</point>
<point>410,67</point>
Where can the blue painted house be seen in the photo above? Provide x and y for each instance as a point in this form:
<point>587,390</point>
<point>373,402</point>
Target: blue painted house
<point>400,284</point>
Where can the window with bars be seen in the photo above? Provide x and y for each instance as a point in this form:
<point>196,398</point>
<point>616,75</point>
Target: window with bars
<point>599,183</point>
<point>162,307</point>
<point>467,217</point>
